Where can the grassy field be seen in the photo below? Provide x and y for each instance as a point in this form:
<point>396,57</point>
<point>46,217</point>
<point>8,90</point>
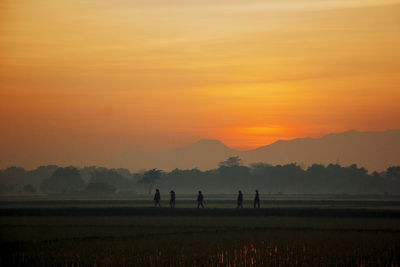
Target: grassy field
<point>302,232</point>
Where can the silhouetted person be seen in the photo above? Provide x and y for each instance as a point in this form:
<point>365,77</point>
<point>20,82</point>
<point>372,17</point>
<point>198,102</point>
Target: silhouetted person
<point>257,200</point>
<point>240,200</point>
<point>172,200</point>
<point>157,198</point>
<point>200,199</point>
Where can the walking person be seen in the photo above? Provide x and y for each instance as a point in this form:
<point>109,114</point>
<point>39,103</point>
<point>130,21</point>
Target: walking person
<point>172,200</point>
<point>200,199</point>
<point>240,200</point>
<point>157,198</point>
<point>257,200</point>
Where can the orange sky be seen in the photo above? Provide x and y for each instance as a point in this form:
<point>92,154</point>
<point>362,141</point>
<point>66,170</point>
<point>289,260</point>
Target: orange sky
<point>83,80</point>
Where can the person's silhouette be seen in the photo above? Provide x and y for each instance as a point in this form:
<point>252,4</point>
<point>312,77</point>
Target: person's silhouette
<point>157,198</point>
<point>172,200</point>
<point>257,200</point>
<point>200,199</point>
<point>240,200</point>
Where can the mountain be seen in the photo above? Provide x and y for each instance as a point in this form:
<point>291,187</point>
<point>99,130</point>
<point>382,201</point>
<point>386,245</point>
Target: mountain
<point>204,154</point>
<point>372,150</point>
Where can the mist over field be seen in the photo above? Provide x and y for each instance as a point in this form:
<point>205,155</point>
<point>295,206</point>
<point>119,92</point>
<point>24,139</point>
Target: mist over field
<point>228,178</point>
<point>326,165</point>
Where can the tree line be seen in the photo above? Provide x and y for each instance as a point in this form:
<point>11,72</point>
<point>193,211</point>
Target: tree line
<point>229,177</point>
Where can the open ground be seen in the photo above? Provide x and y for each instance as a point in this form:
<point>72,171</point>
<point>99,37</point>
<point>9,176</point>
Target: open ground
<point>287,230</point>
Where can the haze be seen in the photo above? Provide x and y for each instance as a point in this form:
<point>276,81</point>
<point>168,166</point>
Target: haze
<point>81,81</point>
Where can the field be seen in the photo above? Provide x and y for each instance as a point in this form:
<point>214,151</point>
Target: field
<point>287,230</point>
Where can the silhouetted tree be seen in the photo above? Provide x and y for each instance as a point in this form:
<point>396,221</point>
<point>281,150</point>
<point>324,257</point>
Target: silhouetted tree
<point>227,178</point>
<point>41,173</point>
<point>88,171</point>
<point>111,177</point>
<point>29,189</point>
<point>125,173</point>
<point>393,173</point>
<point>230,162</point>
<point>150,177</point>
<point>63,180</point>
<point>14,176</point>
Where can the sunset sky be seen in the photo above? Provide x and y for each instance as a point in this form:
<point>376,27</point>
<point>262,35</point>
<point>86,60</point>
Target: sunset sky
<point>84,80</point>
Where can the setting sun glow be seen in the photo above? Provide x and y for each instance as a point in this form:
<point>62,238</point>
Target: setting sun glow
<point>80,79</point>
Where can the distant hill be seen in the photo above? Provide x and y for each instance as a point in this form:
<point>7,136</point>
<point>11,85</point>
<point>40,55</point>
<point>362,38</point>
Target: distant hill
<point>372,150</point>
<point>204,154</point>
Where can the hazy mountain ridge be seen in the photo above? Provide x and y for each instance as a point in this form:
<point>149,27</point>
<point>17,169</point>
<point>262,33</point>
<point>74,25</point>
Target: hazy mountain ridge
<point>204,154</point>
<point>372,150</point>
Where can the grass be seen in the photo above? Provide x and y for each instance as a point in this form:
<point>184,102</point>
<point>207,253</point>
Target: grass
<point>135,235</point>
